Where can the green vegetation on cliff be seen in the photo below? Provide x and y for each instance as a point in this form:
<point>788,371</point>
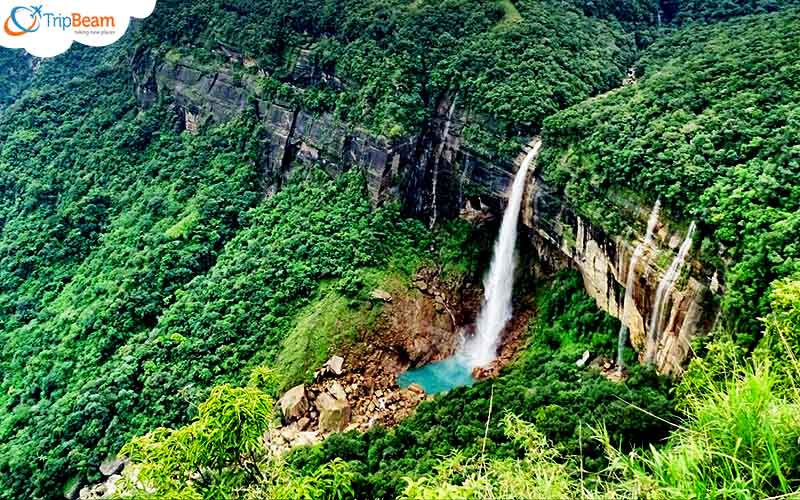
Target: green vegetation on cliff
<point>142,266</point>
<point>712,129</point>
<point>515,62</point>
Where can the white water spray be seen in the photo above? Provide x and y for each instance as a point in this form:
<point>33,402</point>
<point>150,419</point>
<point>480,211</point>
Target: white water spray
<point>637,254</point>
<point>496,309</point>
<point>666,284</point>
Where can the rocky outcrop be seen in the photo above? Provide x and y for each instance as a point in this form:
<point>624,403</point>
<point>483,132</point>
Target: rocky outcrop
<point>562,238</point>
<point>438,176</point>
<point>294,403</point>
<point>294,135</point>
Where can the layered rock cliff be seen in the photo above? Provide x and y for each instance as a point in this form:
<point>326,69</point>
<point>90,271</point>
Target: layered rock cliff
<point>437,176</point>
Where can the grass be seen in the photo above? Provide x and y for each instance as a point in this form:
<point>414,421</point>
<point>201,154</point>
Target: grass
<point>324,325</point>
<point>739,440</point>
<point>335,320</point>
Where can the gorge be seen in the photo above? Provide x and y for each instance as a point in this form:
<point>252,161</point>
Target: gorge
<point>434,171</point>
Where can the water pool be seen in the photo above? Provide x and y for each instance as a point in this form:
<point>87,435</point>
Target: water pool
<point>440,376</point>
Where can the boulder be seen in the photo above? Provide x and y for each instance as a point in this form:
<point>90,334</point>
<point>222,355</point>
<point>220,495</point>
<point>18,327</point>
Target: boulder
<point>294,403</point>
<point>112,465</point>
<point>306,439</point>
<point>334,414</point>
<point>337,391</point>
<point>303,423</point>
<point>335,365</point>
<point>417,389</point>
<point>382,295</point>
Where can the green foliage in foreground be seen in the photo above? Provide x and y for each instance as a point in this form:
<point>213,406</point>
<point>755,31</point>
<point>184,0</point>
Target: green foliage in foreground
<point>737,437</point>
<point>738,440</point>
<point>221,455</point>
<point>545,387</point>
<point>537,474</point>
<point>712,129</point>
<point>740,436</point>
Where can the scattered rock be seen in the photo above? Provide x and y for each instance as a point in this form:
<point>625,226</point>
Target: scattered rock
<point>382,295</point>
<point>417,389</point>
<point>675,241</point>
<point>306,439</point>
<point>334,366</point>
<point>289,434</point>
<point>102,490</point>
<point>294,403</point>
<point>715,286</point>
<point>303,423</point>
<point>112,466</point>
<point>334,414</point>
<point>584,359</point>
<point>421,285</point>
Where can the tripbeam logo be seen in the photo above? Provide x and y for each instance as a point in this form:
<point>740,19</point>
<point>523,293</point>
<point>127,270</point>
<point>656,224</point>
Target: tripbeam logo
<point>48,30</point>
<point>23,20</point>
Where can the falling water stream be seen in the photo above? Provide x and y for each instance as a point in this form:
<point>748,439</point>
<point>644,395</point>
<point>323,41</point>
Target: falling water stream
<point>637,254</point>
<point>656,325</point>
<point>499,283</point>
<point>480,350</point>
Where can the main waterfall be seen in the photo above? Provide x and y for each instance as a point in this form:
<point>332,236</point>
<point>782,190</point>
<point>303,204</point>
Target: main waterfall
<point>637,254</point>
<point>499,283</point>
<point>481,349</point>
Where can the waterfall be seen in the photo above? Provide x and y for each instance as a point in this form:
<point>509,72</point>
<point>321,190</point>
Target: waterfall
<point>666,284</point>
<point>437,159</point>
<point>496,309</point>
<point>637,254</point>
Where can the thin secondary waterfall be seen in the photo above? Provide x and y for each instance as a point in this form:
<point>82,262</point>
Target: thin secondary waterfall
<point>637,254</point>
<point>437,159</point>
<point>666,284</point>
<point>499,283</point>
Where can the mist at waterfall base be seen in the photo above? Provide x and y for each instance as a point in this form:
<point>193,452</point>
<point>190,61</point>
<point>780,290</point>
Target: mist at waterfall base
<point>481,349</point>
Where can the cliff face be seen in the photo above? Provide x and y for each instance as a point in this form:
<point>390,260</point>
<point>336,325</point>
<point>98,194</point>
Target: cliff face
<point>562,238</point>
<point>437,176</point>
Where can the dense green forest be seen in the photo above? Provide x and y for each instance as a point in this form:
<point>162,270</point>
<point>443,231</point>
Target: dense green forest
<point>711,128</point>
<point>145,276</point>
<point>15,73</point>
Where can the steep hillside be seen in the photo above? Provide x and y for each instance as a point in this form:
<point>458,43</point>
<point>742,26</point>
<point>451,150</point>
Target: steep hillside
<point>15,73</point>
<point>711,128</point>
